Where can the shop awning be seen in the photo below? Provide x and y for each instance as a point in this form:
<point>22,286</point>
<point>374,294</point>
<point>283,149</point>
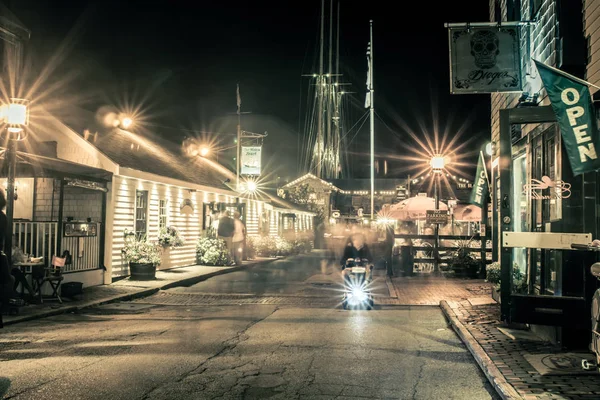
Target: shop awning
<point>32,166</point>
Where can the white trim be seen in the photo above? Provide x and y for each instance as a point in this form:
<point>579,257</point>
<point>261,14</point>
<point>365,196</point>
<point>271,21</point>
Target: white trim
<point>150,177</point>
<point>109,230</point>
<point>308,176</point>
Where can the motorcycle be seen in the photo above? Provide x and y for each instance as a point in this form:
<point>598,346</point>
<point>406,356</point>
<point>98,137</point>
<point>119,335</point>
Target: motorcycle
<point>356,287</point>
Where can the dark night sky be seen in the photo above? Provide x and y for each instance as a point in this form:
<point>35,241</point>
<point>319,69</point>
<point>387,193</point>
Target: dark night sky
<point>181,59</point>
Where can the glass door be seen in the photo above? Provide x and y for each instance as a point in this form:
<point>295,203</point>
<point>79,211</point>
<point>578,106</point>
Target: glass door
<point>521,223</point>
<point>545,208</point>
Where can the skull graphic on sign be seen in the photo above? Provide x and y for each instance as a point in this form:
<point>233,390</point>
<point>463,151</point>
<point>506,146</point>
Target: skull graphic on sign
<point>485,48</point>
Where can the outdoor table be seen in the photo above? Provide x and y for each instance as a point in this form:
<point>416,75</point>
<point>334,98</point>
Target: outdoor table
<point>23,266</point>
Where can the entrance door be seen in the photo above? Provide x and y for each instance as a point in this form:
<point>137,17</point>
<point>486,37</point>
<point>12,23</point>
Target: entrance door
<point>545,265</point>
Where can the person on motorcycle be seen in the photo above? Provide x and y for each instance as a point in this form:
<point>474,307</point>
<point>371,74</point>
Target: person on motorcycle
<point>357,249</point>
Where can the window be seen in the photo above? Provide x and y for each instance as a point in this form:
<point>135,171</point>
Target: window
<point>162,214</point>
<point>497,11</point>
<point>141,212</point>
<point>513,10</point>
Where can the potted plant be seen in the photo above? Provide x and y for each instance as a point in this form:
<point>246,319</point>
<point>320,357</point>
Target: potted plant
<point>462,263</point>
<point>518,279</point>
<point>142,256</point>
<point>492,275</point>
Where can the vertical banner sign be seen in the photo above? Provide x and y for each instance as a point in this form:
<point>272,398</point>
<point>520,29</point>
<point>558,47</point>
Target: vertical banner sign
<point>251,160</point>
<point>480,186</point>
<point>572,104</point>
<point>485,59</point>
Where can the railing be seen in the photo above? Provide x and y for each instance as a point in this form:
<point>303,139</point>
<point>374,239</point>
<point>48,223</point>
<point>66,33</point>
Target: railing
<point>85,252</point>
<point>432,254</point>
<point>38,239</point>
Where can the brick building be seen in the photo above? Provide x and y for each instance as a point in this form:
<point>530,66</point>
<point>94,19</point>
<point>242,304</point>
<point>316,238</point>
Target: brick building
<point>554,294</point>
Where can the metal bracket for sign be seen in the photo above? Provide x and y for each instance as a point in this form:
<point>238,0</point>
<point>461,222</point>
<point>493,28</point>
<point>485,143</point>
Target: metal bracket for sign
<point>545,240</point>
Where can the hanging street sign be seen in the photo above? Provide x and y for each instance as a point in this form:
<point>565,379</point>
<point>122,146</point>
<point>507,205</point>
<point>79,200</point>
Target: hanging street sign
<point>484,59</point>
<point>251,160</point>
<point>436,217</point>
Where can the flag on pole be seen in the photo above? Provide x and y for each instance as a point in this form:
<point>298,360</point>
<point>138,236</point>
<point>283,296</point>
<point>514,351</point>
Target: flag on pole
<point>368,98</point>
<point>239,99</point>
<point>480,186</point>
<point>572,103</point>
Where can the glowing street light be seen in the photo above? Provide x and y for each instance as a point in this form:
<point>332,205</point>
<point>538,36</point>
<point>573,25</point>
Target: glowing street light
<point>15,114</point>
<point>437,163</point>
<point>126,122</point>
<point>251,186</point>
<point>204,151</point>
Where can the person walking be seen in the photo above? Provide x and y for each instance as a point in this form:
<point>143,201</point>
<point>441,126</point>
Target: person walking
<point>225,232</point>
<point>239,235</point>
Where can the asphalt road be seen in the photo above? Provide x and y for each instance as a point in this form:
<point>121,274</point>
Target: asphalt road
<point>143,350</point>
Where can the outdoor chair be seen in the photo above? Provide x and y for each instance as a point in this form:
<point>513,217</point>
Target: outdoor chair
<point>53,275</point>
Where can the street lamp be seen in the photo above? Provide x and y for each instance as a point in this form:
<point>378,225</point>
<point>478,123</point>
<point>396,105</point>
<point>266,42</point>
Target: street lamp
<point>16,118</point>
<point>437,164</point>
<point>204,151</point>
<point>126,122</point>
<point>251,186</point>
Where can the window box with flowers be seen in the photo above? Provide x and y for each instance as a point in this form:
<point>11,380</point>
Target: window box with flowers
<point>142,255</point>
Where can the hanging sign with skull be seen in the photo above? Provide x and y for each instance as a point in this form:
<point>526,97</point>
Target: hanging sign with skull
<point>485,59</point>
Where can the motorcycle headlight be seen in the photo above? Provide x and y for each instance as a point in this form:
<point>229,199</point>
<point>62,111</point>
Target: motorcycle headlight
<point>358,294</point>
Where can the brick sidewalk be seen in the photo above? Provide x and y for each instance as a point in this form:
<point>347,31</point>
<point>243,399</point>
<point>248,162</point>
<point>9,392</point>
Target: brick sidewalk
<point>430,290</point>
<point>508,357</point>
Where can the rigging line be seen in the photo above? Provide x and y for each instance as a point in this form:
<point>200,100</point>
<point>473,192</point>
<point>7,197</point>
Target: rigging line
<point>365,115</point>
<point>386,124</point>
<point>357,131</point>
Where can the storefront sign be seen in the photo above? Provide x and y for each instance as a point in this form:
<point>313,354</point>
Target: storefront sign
<point>251,160</point>
<point>485,59</point>
<point>555,189</point>
<point>187,207</point>
<point>437,217</point>
<point>480,187</point>
<point>572,104</point>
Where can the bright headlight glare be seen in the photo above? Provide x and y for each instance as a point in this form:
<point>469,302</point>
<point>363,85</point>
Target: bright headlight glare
<point>359,294</point>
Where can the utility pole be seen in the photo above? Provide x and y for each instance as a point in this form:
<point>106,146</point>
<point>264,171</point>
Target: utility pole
<point>239,139</point>
<point>371,93</point>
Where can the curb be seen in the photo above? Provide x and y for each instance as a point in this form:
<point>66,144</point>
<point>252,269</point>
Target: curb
<point>135,294</point>
<point>492,373</point>
<point>391,287</point>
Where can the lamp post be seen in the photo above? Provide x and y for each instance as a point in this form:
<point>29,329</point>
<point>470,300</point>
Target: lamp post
<point>437,166</point>
<point>16,118</point>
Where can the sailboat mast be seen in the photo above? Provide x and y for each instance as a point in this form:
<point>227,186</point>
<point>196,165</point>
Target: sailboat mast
<point>338,98</point>
<point>320,97</point>
<point>371,93</point>
<point>328,104</point>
